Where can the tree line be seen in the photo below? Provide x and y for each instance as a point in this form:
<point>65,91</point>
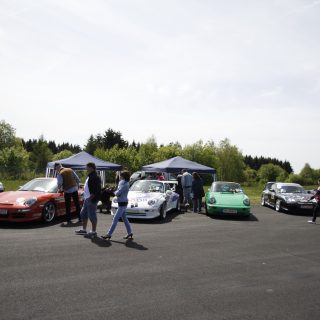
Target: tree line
<point>20,159</point>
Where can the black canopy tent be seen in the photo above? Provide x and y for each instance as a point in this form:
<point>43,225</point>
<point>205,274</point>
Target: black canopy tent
<point>176,164</point>
<point>78,162</point>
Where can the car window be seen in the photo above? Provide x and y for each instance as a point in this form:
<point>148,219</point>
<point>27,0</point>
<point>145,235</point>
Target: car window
<point>226,187</point>
<point>291,189</point>
<point>42,185</point>
<point>147,186</point>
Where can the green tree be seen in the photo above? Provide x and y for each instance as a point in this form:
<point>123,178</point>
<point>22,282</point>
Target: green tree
<point>251,176</point>
<point>308,175</point>
<point>14,162</point>
<point>62,155</point>
<point>7,135</point>
<point>230,166</point>
<point>147,152</point>
<point>91,145</point>
<point>271,172</point>
<point>40,156</point>
<point>295,178</point>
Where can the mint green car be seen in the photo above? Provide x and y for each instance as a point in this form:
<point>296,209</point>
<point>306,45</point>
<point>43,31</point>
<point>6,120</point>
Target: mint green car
<point>226,198</point>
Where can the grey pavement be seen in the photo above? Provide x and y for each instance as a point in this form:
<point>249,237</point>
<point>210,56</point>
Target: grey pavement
<point>189,267</point>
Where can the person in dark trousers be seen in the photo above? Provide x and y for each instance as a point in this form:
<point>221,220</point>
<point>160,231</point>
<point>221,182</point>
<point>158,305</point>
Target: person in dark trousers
<point>316,209</point>
<point>122,197</point>
<point>92,191</point>
<point>186,182</point>
<point>179,189</point>
<point>68,182</point>
<point>197,191</point>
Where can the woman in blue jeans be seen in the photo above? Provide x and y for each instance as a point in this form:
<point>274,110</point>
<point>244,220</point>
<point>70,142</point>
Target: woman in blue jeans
<point>122,196</point>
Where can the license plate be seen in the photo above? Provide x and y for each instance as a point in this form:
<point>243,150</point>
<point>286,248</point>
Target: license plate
<point>3,212</point>
<point>306,207</point>
<point>229,211</point>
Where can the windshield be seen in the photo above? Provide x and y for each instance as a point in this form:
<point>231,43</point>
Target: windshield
<point>291,189</point>
<point>42,185</point>
<point>226,187</point>
<point>147,186</point>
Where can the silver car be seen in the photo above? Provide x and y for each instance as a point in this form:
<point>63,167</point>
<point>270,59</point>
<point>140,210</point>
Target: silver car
<point>1,187</point>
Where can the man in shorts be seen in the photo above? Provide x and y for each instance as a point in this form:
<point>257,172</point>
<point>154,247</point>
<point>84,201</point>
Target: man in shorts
<point>92,190</point>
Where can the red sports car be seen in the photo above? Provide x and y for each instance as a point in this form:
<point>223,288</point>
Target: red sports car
<point>38,199</point>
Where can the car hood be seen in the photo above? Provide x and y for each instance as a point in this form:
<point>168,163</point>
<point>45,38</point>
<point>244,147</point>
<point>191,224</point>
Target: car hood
<point>229,198</point>
<point>297,196</point>
<point>18,197</point>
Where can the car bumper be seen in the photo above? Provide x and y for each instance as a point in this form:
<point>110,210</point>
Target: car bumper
<point>228,210</point>
<point>14,215</point>
<point>297,207</point>
<point>139,213</point>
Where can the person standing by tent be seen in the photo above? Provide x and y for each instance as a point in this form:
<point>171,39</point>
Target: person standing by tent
<point>92,191</point>
<point>197,191</point>
<point>68,182</point>
<point>122,197</point>
<point>186,182</point>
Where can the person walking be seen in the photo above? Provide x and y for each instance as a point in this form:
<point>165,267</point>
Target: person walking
<point>197,191</point>
<point>92,191</point>
<point>186,182</point>
<point>122,197</point>
<point>316,209</point>
<point>68,182</point>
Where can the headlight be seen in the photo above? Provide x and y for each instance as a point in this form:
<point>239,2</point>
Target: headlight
<point>29,202</point>
<point>246,202</point>
<point>212,200</point>
<point>152,202</point>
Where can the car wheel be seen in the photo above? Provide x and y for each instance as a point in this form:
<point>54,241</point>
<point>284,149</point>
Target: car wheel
<point>278,205</point>
<point>263,202</point>
<point>163,212</point>
<point>48,212</point>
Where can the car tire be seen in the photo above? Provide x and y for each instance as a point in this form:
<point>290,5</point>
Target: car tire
<point>263,202</point>
<point>48,212</point>
<point>163,212</point>
<point>278,205</point>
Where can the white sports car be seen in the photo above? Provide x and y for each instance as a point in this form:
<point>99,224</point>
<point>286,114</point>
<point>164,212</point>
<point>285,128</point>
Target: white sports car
<point>148,199</point>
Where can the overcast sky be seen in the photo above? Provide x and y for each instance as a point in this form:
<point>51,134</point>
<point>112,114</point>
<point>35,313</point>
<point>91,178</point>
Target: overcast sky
<point>180,70</point>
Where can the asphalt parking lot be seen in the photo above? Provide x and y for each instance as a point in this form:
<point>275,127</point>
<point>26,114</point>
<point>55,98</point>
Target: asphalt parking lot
<point>189,267</point>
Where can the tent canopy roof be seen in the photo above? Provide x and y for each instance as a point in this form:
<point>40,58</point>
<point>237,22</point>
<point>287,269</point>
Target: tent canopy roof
<point>78,162</point>
<point>176,164</point>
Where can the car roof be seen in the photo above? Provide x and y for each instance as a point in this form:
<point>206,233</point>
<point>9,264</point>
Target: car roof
<point>288,184</point>
<point>225,182</point>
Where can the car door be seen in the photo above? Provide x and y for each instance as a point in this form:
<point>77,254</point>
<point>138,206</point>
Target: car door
<point>272,195</point>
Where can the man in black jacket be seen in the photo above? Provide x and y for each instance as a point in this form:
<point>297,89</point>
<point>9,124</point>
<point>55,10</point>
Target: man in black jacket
<point>92,190</point>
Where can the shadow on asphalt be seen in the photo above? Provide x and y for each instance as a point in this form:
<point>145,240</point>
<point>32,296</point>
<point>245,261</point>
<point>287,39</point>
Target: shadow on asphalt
<point>130,243</point>
<point>293,213</point>
<point>251,218</point>
<point>33,224</point>
<point>170,216</point>
<point>70,225</point>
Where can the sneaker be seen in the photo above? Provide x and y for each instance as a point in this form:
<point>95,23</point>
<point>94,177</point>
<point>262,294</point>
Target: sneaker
<point>92,233</point>
<point>81,231</point>
<point>311,221</point>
